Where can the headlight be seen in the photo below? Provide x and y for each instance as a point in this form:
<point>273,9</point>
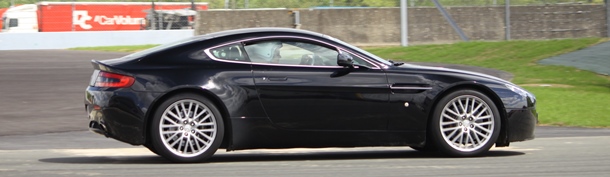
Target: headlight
<point>518,90</point>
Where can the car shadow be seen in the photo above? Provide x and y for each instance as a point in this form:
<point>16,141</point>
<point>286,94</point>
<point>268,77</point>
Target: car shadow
<point>254,157</point>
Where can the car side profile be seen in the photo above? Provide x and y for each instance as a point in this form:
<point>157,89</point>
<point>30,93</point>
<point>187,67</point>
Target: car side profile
<point>287,88</point>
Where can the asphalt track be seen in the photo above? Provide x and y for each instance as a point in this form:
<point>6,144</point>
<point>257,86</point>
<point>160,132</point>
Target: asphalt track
<point>86,154</point>
<point>43,133</point>
<point>42,91</point>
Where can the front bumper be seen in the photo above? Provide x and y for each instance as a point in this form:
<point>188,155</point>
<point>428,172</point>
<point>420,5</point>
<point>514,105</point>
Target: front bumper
<point>521,124</point>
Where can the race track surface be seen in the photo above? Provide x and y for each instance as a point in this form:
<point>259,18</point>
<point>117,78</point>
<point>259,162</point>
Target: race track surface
<point>595,58</point>
<point>42,91</point>
<point>87,154</point>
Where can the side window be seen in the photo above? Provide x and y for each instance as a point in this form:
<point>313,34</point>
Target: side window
<point>358,60</point>
<point>291,53</point>
<point>13,22</point>
<point>233,52</point>
<point>264,52</point>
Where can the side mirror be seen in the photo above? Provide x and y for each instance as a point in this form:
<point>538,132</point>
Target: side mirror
<point>346,60</point>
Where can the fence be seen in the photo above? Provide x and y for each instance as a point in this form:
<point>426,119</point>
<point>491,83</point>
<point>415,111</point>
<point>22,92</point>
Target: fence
<point>380,26</point>
<point>246,4</point>
<point>366,22</point>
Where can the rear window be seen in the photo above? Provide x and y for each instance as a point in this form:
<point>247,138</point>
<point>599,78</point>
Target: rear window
<point>162,47</point>
<point>232,52</point>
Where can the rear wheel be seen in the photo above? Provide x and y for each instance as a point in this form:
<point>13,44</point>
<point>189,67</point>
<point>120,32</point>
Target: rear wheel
<point>152,149</point>
<point>465,123</point>
<point>186,128</point>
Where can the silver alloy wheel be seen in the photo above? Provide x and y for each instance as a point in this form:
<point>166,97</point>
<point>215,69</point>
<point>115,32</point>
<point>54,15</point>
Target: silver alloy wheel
<point>467,123</point>
<point>187,128</point>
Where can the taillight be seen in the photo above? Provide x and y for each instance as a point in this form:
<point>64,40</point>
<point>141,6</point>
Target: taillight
<point>106,79</point>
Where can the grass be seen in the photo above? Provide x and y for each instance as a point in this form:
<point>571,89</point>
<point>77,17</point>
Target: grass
<point>574,97</point>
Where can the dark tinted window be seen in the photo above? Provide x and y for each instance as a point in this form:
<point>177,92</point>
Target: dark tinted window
<point>233,52</point>
<point>13,22</point>
<point>358,60</point>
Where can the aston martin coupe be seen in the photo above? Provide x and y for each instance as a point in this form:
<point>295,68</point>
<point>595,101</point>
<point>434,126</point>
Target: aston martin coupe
<point>288,88</point>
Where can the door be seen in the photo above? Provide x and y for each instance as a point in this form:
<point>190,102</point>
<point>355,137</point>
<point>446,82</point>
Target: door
<point>301,87</point>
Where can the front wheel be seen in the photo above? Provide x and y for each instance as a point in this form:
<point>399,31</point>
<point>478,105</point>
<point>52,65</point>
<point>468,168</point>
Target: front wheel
<point>465,123</point>
<point>186,128</point>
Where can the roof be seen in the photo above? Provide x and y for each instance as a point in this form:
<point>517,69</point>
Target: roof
<point>23,8</point>
<point>258,30</point>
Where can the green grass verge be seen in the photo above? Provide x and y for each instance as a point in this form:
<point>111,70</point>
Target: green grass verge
<point>574,97</point>
<point>133,48</point>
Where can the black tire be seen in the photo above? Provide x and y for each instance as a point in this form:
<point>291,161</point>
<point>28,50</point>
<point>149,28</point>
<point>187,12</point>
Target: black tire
<point>472,131</point>
<point>152,149</point>
<point>181,124</point>
<point>428,146</point>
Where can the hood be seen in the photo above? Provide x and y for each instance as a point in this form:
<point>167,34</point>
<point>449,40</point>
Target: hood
<point>450,71</point>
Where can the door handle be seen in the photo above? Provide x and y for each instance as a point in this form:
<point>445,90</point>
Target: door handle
<point>275,78</point>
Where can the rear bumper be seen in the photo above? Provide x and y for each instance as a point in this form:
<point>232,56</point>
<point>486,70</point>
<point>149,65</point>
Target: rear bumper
<point>521,124</point>
<point>96,127</point>
<point>118,114</point>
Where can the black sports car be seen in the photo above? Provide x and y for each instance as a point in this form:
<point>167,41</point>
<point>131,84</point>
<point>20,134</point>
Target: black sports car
<point>287,88</point>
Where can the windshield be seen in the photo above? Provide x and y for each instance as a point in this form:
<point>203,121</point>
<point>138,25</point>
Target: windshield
<point>361,51</point>
<point>162,47</point>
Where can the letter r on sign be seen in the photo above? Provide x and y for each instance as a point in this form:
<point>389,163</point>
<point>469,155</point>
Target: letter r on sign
<point>80,18</point>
